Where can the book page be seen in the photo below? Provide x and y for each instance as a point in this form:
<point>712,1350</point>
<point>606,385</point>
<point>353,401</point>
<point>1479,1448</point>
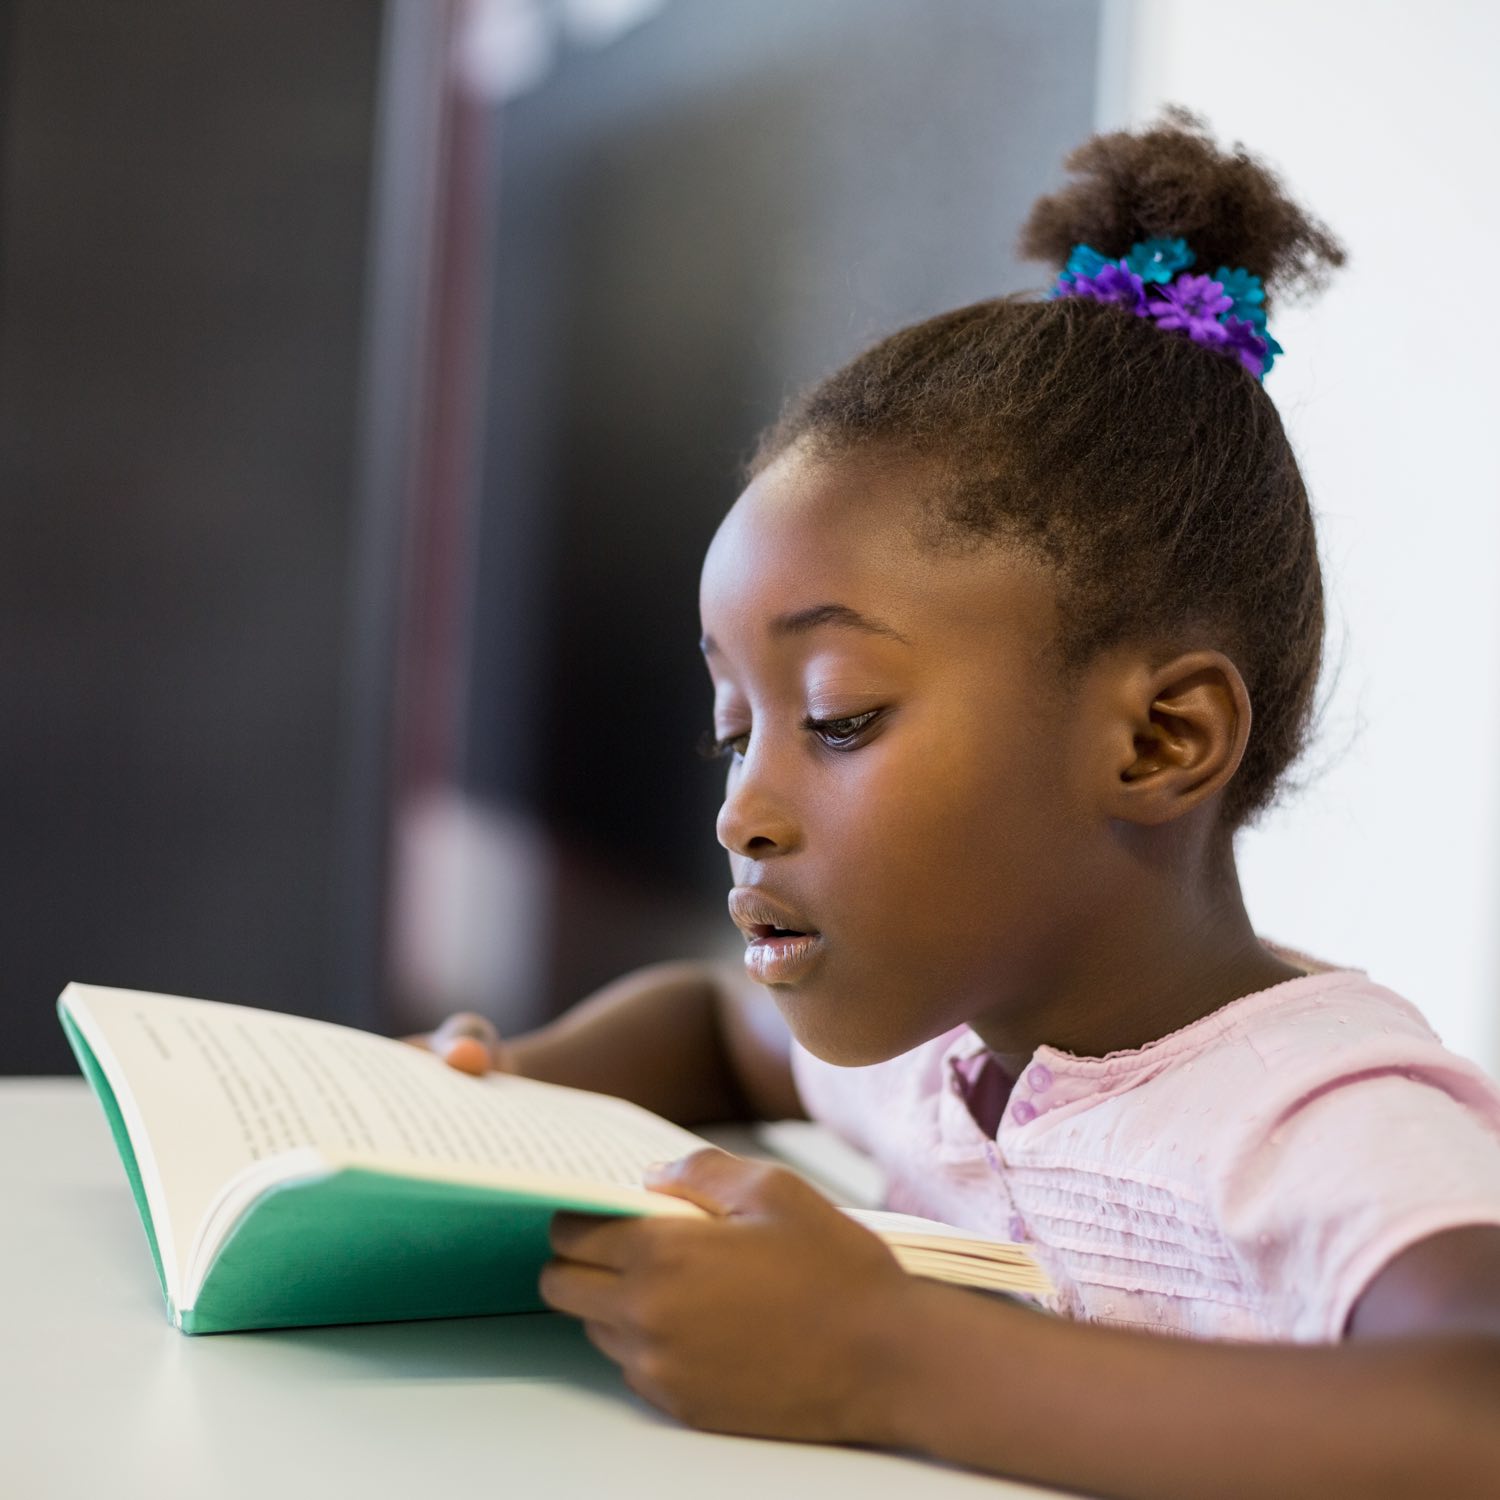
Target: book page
<point>217,1088</point>
<point>912,1227</point>
<point>846,1175</point>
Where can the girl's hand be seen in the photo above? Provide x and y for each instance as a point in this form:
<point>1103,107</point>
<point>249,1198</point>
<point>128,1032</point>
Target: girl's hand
<point>468,1042</point>
<point>768,1319</point>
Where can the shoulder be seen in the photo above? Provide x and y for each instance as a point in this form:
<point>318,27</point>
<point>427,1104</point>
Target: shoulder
<point>1357,1136</point>
<point>1339,1028</point>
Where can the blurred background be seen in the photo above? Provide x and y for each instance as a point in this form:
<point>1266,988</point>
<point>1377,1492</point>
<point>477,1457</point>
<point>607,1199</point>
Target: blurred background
<point>373,374</point>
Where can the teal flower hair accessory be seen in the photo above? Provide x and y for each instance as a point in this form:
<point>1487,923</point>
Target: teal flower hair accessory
<point>1246,292</point>
<point>1084,261</point>
<point>1225,311</point>
<point>1159,260</point>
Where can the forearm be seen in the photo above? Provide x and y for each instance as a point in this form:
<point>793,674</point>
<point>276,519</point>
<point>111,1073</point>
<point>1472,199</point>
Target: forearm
<point>653,1037</point>
<point>1146,1417</point>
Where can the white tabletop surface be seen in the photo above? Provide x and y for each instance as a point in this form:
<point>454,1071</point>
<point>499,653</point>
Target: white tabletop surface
<point>101,1397</point>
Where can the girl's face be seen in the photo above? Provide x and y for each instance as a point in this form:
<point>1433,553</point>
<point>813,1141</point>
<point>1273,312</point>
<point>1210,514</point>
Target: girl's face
<point>908,782</point>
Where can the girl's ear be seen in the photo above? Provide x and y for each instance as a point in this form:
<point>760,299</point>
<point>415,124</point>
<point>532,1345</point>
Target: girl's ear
<point>1181,736</point>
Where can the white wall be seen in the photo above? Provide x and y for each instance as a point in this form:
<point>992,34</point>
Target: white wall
<point>1383,118</point>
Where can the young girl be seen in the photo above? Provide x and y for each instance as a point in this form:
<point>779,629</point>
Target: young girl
<point>1018,620</point>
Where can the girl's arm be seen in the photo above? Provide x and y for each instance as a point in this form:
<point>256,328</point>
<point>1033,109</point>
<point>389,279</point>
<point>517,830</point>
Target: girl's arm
<point>1406,1411</point>
<point>782,1318</point>
<point>695,1042</point>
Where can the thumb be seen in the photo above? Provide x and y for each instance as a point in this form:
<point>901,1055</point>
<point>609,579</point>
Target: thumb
<point>729,1186</point>
<point>469,1043</point>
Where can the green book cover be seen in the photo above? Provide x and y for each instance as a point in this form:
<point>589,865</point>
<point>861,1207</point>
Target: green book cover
<point>326,1241</point>
<point>290,1172</point>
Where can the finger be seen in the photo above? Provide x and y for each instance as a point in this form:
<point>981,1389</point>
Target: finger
<point>468,1055</point>
<point>468,1042</point>
<point>727,1185</point>
<point>467,1023</point>
<point>613,1342</point>
<point>595,1240</point>
<point>584,1291</point>
<point>464,1023</point>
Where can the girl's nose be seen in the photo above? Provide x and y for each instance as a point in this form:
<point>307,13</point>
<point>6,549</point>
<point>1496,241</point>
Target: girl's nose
<point>753,821</point>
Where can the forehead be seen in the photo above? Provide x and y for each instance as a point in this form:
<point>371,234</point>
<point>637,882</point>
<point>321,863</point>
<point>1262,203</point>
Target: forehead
<point>812,532</point>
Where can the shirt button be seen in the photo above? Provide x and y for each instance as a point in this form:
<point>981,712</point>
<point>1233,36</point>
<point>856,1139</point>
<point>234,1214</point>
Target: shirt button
<point>1017,1227</point>
<point>1039,1076</point>
<point>1023,1111</point>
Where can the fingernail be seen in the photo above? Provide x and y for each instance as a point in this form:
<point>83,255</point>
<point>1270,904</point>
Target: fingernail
<point>467,1054</point>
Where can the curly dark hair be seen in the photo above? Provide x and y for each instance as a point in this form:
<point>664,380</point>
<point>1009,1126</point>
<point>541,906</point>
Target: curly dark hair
<point>1153,474</point>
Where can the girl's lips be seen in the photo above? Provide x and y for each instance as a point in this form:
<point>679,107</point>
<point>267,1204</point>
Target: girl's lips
<point>780,944</point>
<point>758,914</point>
<point>781,960</point>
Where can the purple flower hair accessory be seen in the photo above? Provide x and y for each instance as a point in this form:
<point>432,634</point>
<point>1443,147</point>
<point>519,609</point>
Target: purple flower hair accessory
<point>1246,342</point>
<point>1114,282</point>
<point>1224,312</point>
<point>1193,304</point>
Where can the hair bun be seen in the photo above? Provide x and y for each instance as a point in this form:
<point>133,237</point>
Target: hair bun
<point>1171,181</point>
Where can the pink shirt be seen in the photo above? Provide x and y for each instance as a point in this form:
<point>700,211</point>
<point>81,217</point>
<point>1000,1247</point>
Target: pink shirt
<point>1244,1178</point>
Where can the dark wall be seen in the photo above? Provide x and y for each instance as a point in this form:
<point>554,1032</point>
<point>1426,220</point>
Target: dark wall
<point>182,244</point>
<point>693,222</point>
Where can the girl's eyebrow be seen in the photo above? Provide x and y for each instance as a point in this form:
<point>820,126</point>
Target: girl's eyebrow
<point>801,620</point>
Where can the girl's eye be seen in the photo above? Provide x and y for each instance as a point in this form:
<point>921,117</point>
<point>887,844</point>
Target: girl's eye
<point>841,734</point>
<point>710,747</point>
<point>837,734</point>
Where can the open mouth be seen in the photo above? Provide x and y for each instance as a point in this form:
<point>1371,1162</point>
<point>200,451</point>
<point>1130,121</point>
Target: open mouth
<point>779,955</point>
<point>765,918</point>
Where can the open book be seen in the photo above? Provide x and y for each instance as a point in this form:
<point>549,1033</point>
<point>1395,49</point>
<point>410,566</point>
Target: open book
<point>291,1172</point>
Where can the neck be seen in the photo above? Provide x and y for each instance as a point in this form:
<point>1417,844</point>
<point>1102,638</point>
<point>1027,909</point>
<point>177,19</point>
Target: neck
<point>1177,948</point>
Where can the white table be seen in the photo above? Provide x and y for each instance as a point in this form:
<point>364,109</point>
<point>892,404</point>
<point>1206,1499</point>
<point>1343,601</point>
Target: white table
<point>101,1399</point>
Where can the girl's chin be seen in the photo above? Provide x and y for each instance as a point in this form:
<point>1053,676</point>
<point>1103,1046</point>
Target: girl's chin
<point>830,1029</point>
